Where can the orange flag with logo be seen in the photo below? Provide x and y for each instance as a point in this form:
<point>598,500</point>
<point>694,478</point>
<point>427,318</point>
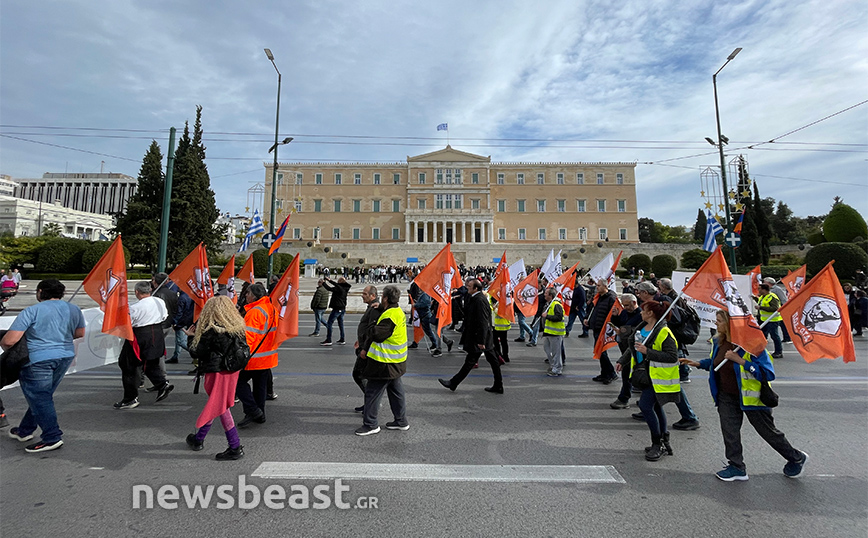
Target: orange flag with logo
<point>107,285</point>
<point>193,278</point>
<point>712,284</point>
<point>756,278</point>
<point>565,284</point>
<point>498,289</point>
<point>227,277</point>
<point>284,297</point>
<point>794,280</point>
<point>438,279</point>
<point>526,294</point>
<point>609,338</point>
<point>246,272</point>
<point>818,321</point>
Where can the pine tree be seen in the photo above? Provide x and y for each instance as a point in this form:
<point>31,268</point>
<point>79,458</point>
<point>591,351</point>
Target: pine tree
<point>700,226</point>
<point>763,228</point>
<point>139,224</point>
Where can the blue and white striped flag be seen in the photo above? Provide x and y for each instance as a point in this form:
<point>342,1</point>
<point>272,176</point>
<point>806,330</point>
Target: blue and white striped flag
<point>443,127</point>
<point>712,229</point>
<point>256,227</point>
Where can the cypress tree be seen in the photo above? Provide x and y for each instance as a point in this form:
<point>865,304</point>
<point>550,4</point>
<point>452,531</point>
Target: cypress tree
<point>139,224</point>
<point>763,228</point>
<point>700,226</point>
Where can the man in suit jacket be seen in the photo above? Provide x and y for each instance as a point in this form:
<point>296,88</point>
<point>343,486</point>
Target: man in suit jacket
<point>477,338</point>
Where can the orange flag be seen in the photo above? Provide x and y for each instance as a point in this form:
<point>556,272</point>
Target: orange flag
<point>609,337</point>
<point>418,331</point>
<point>756,278</point>
<point>107,285</point>
<point>712,284</point>
<point>612,274</point>
<point>193,278</point>
<point>526,294</point>
<point>565,285</point>
<point>284,297</point>
<point>498,289</point>
<point>246,272</point>
<point>227,277</point>
<point>438,279</point>
<point>818,320</point>
<point>794,280</point>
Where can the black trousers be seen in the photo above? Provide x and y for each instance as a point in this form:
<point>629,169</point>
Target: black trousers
<point>731,419</point>
<point>473,358</point>
<point>501,344</point>
<point>357,373</point>
<point>606,368</point>
<point>253,401</point>
<point>131,373</point>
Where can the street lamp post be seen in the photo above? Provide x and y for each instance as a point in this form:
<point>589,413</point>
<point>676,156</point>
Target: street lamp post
<point>274,170</point>
<point>720,143</point>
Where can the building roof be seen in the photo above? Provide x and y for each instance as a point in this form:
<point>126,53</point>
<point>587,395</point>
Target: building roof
<point>449,154</point>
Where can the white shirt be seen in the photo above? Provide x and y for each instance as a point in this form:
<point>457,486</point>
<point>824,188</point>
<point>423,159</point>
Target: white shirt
<point>148,311</point>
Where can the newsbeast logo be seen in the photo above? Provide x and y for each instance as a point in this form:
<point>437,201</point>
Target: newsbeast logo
<point>820,315</point>
<point>108,286</point>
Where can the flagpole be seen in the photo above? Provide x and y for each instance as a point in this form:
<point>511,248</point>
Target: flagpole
<point>75,292</point>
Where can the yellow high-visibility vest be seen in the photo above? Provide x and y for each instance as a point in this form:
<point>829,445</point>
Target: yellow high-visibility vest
<point>394,348</point>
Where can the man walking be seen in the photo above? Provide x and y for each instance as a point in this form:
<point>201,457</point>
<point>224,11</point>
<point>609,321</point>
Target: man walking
<point>363,336</point>
<point>318,304</point>
<point>338,304</point>
<point>477,339</point>
<point>182,319</point>
<point>261,321</point>
<point>384,364</point>
<point>554,329</point>
<point>596,321</point>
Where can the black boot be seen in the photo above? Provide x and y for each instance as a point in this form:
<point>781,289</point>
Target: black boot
<point>655,451</point>
<point>230,454</point>
<point>666,444</point>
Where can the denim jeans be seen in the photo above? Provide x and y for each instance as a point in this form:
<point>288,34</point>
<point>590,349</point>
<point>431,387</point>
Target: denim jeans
<point>38,381</point>
<point>771,329</point>
<point>318,317</point>
<point>425,321</point>
<point>180,343</point>
<point>535,334</point>
<point>335,315</point>
<point>523,327</point>
<point>653,413</point>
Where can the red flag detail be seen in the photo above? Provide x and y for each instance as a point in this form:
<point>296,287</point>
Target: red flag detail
<point>279,236</point>
<point>438,279</point>
<point>193,278</point>
<point>499,290</point>
<point>526,294</point>
<point>107,285</point>
<point>284,298</point>
<point>418,331</point>
<point>246,272</point>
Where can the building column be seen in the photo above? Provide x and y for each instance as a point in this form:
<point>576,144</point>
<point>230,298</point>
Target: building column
<point>407,231</point>
<point>424,231</point>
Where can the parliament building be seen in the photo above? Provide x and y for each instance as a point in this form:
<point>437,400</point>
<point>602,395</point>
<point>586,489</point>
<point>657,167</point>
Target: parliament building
<point>456,197</point>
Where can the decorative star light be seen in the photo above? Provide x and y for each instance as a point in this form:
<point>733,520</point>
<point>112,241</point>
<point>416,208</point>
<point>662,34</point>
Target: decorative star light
<point>702,193</point>
<point>707,205</point>
<point>739,207</point>
<point>732,195</point>
<point>720,206</point>
<point>745,193</point>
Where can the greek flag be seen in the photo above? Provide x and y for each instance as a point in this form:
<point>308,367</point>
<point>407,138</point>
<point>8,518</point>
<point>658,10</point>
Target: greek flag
<point>256,227</point>
<point>443,127</point>
<point>712,229</point>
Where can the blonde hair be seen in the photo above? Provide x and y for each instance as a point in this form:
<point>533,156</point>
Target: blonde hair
<point>723,336</point>
<point>220,315</point>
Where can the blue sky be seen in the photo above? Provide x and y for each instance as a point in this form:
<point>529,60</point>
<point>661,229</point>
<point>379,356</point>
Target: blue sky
<point>520,81</point>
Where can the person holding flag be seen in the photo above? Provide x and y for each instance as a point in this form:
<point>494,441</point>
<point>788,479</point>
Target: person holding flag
<point>363,339</point>
<point>261,323</point>
<point>768,305</point>
<point>626,323</point>
<point>596,321</point>
<point>554,329</point>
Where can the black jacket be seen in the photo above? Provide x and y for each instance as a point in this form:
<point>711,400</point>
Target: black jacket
<point>209,351</point>
<point>598,315</point>
<point>339,290</point>
<point>477,324</point>
<point>669,354</point>
<point>382,370</point>
<point>170,297</point>
<point>366,325</point>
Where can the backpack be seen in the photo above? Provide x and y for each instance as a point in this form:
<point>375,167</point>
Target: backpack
<point>684,323</point>
<point>236,356</point>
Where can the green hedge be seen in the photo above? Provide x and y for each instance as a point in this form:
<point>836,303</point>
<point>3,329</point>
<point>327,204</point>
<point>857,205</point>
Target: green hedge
<point>694,258</point>
<point>848,258</point>
<point>844,224</point>
<point>94,251</point>
<point>80,276</point>
<point>775,271</point>
<point>61,255</point>
<point>662,265</point>
<point>639,261</point>
<point>260,262</point>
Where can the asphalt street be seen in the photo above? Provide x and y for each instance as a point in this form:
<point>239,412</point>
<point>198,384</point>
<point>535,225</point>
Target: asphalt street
<point>86,488</point>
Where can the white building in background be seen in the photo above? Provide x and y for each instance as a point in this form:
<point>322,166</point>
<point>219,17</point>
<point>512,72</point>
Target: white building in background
<point>92,193</point>
<point>28,217</point>
<point>238,225</point>
<point>7,186</point>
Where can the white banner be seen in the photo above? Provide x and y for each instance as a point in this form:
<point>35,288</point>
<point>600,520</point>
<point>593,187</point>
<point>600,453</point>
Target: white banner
<point>707,313</point>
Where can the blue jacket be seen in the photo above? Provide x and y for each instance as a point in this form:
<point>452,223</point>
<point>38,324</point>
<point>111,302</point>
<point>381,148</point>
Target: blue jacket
<point>184,314</point>
<point>764,370</point>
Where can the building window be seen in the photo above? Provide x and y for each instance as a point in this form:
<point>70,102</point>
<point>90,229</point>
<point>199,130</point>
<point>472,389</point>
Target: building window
<point>540,179</point>
<point>317,206</point>
<point>562,234</point>
<point>376,179</point>
<point>337,206</point>
<point>318,179</point>
<point>280,178</point>
<point>520,206</point>
<point>357,206</point>
<point>438,201</point>
<point>420,203</point>
<point>580,179</point>
<point>357,179</point>
<point>458,200</point>
<point>296,233</point>
<point>519,178</point>
<point>622,234</point>
<point>581,206</point>
<point>474,178</point>
<point>336,233</point>
<point>396,233</point>
<point>622,206</point>
<point>541,232</point>
<point>338,179</point>
<point>298,206</point>
<point>619,179</point>
<point>560,177</point>
<point>583,234</point>
<point>396,206</point>
<point>457,176</point>
<point>601,206</point>
<point>599,179</point>
<point>396,179</point>
<point>278,204</point>
<point>375,233</point>
<point>299,178</point>
<point>562,206</point>
<point>376,206</point>
<point>474,203</point>
<point>501,234</point>
<point>448,199</point>
<point>522,233</point>
<point>604,234</point>
<point>501,205</point>
<point>438,176</point>
<point>357,233</point>
<point>421,178</point>
<point>541,206</point>
<point>500,179</point>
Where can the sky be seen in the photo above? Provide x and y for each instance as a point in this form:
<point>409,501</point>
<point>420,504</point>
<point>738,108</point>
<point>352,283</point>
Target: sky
<point>83,82</point>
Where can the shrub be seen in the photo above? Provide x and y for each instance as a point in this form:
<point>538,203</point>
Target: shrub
<point>694,258</point>
<point>94,251</point>
<point>844,224</point>
<point>260,262</point>
<point>639,261</point>
<point>816,238</point>
<point>848,258</point>
<point>663,264</point>
<point>61,255</point>
<point>775,271</point>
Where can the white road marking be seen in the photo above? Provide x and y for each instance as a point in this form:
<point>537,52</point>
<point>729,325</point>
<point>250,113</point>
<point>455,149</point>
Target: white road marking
<point>580,474</point>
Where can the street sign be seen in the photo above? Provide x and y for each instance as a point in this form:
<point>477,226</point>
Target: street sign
<point>733,239</point>
<point>268,240</point>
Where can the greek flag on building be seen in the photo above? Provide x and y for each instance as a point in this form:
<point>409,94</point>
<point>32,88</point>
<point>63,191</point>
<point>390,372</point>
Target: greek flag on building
<point>256,227</point>
<point>443,127</point>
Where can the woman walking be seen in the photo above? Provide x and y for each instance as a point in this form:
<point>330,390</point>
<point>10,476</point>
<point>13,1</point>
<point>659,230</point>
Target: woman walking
<point>219,334</point>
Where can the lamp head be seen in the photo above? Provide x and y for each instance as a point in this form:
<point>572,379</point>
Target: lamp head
<point>271,56</point>
<point>730,57</point>
<point>710,141</point>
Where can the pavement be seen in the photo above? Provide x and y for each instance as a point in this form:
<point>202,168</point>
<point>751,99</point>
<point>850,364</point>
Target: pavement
<point>547,458</point>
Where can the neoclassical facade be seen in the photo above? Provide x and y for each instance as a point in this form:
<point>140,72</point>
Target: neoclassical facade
<point>457,197</point>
